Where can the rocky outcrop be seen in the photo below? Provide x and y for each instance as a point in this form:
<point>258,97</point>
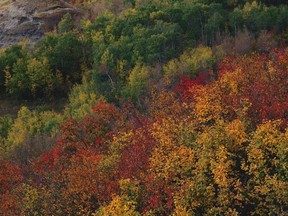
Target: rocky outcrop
<point>30,19</point>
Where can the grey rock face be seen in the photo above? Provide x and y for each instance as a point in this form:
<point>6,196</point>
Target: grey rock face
<point>30,19</point>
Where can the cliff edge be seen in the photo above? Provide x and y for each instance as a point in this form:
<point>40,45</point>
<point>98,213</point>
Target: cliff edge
<point>30,19</point>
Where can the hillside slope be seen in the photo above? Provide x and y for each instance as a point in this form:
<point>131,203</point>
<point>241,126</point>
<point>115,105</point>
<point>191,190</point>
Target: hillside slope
<point>22,19</point>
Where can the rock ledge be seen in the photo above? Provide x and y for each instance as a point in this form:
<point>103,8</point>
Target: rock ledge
<point>30,19</point>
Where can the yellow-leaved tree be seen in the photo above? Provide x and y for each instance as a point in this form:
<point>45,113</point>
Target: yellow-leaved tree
<point>267,167</point>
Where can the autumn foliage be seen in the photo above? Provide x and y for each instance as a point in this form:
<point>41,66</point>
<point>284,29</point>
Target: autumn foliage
<point>203,147</point>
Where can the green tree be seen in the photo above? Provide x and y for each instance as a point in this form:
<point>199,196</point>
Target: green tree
<point>41,77</point>
<point>236,20</point>
<point>66,24</point>
<point>8,58</point>
<point>64,53</point>
<point>137,82</point>
<point>28,125</point>
<point>17,80</point>
<point>82,98</point>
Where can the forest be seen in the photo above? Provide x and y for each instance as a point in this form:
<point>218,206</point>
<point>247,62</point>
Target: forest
<point>171,107</point>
